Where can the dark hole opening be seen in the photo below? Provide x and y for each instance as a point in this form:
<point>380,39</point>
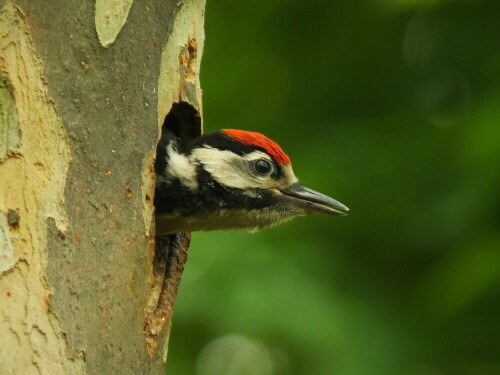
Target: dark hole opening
<point>183,120</point>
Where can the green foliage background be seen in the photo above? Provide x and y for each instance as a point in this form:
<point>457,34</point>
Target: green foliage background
<point>393,108</point>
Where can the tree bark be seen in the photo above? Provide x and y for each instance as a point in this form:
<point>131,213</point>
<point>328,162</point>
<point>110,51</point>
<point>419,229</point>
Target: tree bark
<point>85,88</point>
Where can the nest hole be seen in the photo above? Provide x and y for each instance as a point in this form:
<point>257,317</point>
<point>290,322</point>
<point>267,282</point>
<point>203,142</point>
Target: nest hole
<point>183,120</point>
<point>171,251</point>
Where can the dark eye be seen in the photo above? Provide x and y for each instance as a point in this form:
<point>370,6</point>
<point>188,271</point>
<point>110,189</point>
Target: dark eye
<point>263,167</point>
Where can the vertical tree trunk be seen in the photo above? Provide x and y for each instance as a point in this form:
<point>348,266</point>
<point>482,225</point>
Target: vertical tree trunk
<point>84,89</point>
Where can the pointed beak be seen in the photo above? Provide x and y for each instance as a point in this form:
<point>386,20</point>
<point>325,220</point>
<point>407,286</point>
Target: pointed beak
<point>311,201</point>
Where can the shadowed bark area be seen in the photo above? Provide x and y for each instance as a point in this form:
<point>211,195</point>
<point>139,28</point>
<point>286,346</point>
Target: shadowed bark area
<point>84,90</point>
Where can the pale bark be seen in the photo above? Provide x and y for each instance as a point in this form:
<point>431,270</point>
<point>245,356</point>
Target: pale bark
<point>84,90</point>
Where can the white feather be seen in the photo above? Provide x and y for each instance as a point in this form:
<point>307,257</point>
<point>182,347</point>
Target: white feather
<point>232,170</point>
<point>181,167</point>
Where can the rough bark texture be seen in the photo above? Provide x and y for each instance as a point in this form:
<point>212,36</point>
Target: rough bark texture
<point>84,90</point>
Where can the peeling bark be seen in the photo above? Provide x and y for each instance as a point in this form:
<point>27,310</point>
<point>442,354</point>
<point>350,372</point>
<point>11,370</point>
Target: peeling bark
<point>84,91</point>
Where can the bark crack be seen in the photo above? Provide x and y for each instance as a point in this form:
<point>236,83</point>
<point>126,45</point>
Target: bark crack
<point>170,257</point>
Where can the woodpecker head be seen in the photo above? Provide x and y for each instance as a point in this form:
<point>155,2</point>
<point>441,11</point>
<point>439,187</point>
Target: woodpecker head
<point>229,179</point>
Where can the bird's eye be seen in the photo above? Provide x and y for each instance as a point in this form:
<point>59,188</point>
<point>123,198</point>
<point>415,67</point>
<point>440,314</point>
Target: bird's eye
<point>263,167</point>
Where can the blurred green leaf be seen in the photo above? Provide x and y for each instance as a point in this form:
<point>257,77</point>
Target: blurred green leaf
<point>392,107</point>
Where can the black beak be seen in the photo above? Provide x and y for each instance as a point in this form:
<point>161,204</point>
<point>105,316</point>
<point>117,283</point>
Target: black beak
<point>311,201</point>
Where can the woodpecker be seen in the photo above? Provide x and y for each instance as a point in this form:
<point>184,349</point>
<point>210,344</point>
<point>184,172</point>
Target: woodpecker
<point>229,179</point>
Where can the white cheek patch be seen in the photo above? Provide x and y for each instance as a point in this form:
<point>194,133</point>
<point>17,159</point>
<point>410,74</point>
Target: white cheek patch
<point>225,167</point>
<point>232,170</point>
<point>181,167</point>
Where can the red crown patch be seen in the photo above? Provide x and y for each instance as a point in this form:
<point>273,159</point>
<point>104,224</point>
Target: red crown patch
<point>259,140</point>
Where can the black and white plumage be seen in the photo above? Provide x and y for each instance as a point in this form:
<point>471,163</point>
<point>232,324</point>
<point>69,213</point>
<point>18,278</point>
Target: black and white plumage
<point>229,179</point>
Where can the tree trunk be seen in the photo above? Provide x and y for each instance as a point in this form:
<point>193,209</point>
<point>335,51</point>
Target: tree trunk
<point>85,87</point>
